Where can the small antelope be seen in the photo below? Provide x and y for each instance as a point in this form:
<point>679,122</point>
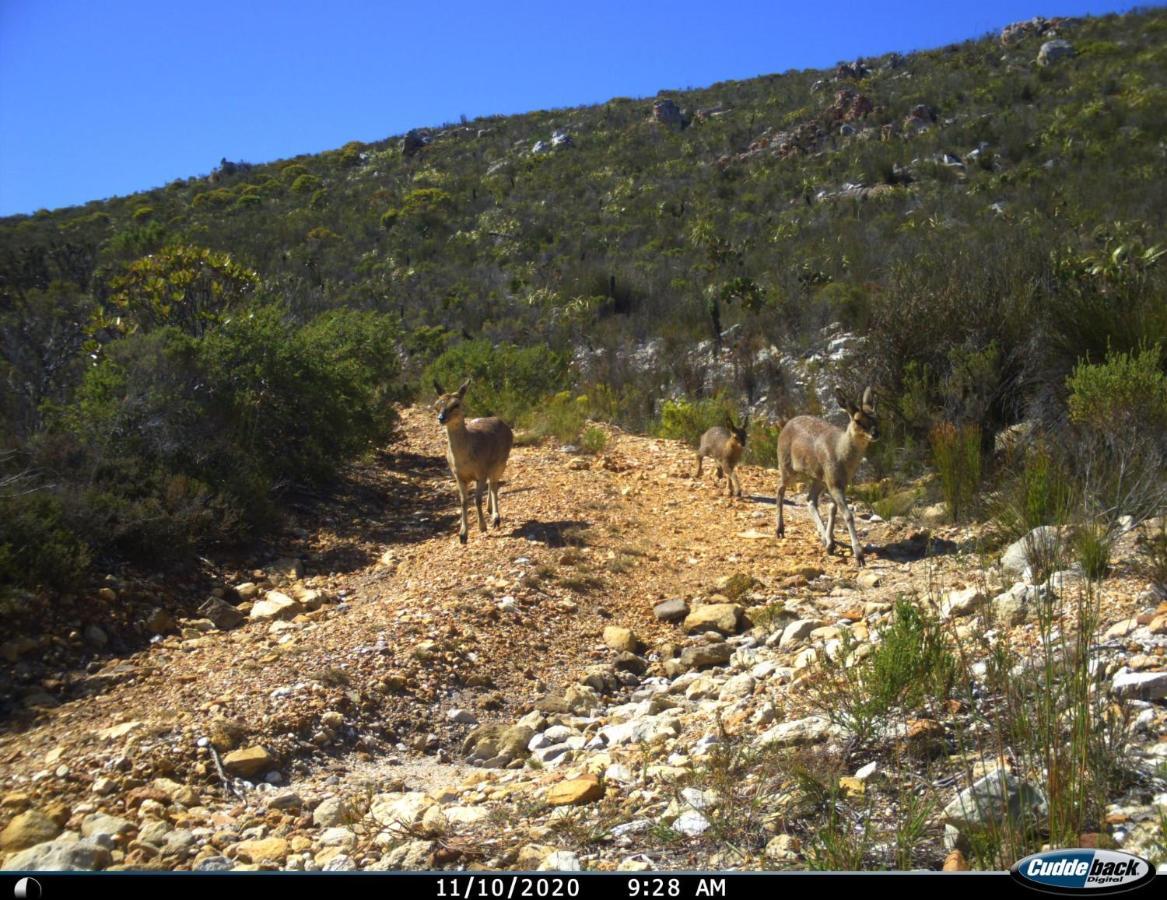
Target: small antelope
<point>725,447</point>
<point>477,450</point>
<point>815,451</point>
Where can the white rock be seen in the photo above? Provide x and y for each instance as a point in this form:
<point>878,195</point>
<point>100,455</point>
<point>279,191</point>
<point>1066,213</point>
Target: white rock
<point>811,730</point>
<point>962,603</point>
<point>1140,685</point>
<point>691,823</point>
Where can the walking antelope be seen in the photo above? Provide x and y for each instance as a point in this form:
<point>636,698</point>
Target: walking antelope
<point>725,447</point>
<point>477,450</point>
<point>815,451</point>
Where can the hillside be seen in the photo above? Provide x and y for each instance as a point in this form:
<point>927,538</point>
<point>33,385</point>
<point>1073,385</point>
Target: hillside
<point>362,702</point>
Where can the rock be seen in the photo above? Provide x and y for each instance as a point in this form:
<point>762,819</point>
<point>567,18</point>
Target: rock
<point>223,614</point>
<point>796,632</point>
<point>783,848</point>
<point>703,656</point>
<point>160,621</point>
<point>248,590</point>
<point>630,662</point>
<point>104,829</point>
<point>466,815</point>
<point>287,800</point>
<point>691,823</point>
<point>413,142</point>
<point>1121,629</point>
<point>666,112</point>
<point>957,604</point>
<point>934,514</point>
<point>400,809</point>
<point>1140,685</point>
<point>1017,605</point>
<point>329,813</point>
<point>180,842</point>
<point>433,822</point>
<point>575,791</point>
<point>671,610</point>
<point>955,862</point>
<point>287,567</point>
<point>118,731</point>
<point>155,832</point>
<point>992,799</point>
<point>462,717</point>
<point>811,730</point>
<point>868,580</point>
<point>274,849</point>
<point>621,639</point>
<point>95,636</point>
<point>1043,544</point>
<point>737,688</point>
<point>13,650</point>
<point>27,830</point>
<point>724,618</point>
<point>65,854</point>
<point>276,606</point>
<point>1052,51</point>
<point>497,745</point>
<point>249,761</point>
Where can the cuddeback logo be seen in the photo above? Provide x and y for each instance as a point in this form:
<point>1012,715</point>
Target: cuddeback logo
<point>1094,871</point>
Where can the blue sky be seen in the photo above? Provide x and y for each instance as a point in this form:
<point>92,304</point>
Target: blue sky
<point>101,98</point>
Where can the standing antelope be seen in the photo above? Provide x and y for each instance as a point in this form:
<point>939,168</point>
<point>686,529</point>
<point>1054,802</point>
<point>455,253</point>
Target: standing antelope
<point>477,450</point>
<point>725,447</point>
<point>815,451</point>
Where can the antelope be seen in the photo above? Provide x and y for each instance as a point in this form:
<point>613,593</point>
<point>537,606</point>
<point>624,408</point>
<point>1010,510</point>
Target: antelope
<point>477,450</point>
<point>815,451</point>
<point>725,447</point>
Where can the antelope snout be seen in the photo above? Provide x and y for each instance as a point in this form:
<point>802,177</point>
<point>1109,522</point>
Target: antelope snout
<point>442,417</point>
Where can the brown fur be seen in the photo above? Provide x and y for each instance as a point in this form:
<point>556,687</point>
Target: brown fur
<point>477,450</point>
<point>725,447</point>
<point>814,451</point>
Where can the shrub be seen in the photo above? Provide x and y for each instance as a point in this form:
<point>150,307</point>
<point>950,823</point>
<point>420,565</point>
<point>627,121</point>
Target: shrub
<point>305,183</point>
<point>505,380</point>
<point>1125,390</point>
<point>37,546</point>
<point>594,439</point>
<point>687,420</point>
<point>184,439</point>
<point>911,666</point>
<point>956,453</point>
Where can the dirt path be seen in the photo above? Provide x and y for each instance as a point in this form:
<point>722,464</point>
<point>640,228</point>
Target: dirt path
<point>425,625</point>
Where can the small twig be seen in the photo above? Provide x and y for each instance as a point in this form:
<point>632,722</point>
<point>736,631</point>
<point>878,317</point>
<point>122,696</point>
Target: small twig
<point>227,782</point>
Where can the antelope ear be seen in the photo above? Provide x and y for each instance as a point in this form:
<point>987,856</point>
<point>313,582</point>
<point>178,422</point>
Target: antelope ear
<point>869,400</point>
<point>462,389</point>
<point>844,403</point>
<point>437,387</point>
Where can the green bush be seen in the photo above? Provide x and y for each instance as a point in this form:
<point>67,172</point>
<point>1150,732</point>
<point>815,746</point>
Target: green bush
<point>956,453</point>
<point>1125,390</point>
<point>687,420</point>
<point>179,439</point>
<point>37,546</point>
<point>912,666</point>
<point>594,439</point>
<point>505,380</point>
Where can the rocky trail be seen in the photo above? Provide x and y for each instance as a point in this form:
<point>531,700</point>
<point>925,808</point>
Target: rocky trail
<point>376,695</point>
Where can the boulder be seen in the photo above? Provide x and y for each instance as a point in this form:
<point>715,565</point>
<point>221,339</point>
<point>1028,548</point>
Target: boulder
<point>724,618</point>
<point>1052,51</point>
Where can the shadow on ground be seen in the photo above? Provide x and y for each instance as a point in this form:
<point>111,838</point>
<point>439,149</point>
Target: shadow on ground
<point>396,498</point>
<point>565,533</point>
